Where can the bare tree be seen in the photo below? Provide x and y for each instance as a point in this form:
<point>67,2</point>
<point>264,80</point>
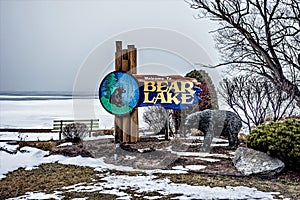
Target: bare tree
<point>261,37</point>
<point>255,100</point>
<point>156,117</point>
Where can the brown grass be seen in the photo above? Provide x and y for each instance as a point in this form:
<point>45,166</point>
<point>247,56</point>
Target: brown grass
<point>46,178</point>
<point>289,189</point>
<point>46,146</point>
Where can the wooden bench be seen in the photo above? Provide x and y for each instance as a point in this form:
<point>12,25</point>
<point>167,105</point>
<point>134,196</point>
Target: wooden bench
<point>58,125</point>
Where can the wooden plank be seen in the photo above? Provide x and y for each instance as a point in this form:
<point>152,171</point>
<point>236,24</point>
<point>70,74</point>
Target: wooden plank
<point>86,123</point>
<point>125,118</point>
<point>64,124</point>
<point>118,56</point>
<point>118,67</point>
<point>134,128</point>
<point>134,122</point>
<point>95,124</point>
<point>59,125</point>
<point>118,130</point>
<point>150,77</point>
<point>132,59</point>
<point>125,61</point>
<point>126,128</point>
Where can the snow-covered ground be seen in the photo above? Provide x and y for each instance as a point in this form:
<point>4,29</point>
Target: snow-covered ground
<point>15,113</point>
<point>30,158</point>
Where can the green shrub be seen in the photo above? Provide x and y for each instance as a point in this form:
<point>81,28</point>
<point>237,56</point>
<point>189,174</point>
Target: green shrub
<point>280,139</point>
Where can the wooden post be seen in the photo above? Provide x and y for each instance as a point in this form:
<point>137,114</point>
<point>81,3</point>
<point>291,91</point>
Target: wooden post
<point>91,129</point>
<point>61,129</point>
<point>126,127</point>
<point>118,67</point>
<point>126,118</point>
<point>134,122</point>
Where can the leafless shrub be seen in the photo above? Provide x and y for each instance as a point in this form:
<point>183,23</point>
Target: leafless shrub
<point>75,132</point>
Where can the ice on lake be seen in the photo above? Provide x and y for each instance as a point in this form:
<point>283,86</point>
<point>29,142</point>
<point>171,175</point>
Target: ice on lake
<point>40,112</point>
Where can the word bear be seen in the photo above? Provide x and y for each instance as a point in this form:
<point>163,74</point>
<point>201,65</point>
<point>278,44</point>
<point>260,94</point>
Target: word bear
<point>176,92</point>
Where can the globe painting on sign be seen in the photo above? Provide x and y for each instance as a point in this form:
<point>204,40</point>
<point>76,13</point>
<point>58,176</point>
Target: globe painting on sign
<point>119,93</point>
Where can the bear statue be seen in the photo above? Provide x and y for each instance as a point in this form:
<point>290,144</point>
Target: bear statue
<point>116,97</point>
<point>215,123</point>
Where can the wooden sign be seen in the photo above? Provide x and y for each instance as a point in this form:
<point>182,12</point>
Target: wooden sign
<point>123,91</point>
<point>171,92</point>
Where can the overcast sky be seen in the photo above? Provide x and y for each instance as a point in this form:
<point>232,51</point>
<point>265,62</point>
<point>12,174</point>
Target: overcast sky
<point>43,43</point>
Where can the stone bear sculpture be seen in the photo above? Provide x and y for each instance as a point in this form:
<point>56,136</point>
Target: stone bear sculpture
<point>215,123</point>
<point>116,97</point>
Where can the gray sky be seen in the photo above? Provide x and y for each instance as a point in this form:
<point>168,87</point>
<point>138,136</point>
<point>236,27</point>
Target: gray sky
<point>43,44</point>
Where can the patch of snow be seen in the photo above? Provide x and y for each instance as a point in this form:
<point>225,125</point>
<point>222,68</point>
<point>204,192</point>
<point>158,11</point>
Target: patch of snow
<point>127,157</point>
<point>199,154</point>
<point>79,198</point>
<point>37,195</point>
<point>154,197</point>
<point>212,145</point>
<point>189,167</point>
<point>195,167</point>
<point>11,162</point>
<point>117,192</point>
<point>208,159</point>
<point>202,138</point>
<point>99,137</point>
<point>168,171</point>
<point>165,187</point>
<point>144,150</point>
<point>219,145</point>
<point>34,157</point>
<point>179,167</point>
<point>28,136</point>
<point>8,147</point>
<point>196,154</point>
<point>65,144</point>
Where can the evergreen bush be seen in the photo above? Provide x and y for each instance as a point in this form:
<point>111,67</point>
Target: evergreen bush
<point>280,139</point>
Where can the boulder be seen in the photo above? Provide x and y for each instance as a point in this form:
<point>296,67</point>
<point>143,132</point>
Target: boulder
<point>249,161</point>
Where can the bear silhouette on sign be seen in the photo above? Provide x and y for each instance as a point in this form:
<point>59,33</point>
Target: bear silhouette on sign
<point>116,97</point>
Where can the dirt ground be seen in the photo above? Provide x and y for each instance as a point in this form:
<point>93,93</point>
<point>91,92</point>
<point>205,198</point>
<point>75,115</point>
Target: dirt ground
<point>151,153</point>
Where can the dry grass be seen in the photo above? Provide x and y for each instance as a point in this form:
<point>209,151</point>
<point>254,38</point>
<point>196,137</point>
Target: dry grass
<point>46,146</point>
<point>48,178</point>
<point>103,132</point>
<point>289,189</point>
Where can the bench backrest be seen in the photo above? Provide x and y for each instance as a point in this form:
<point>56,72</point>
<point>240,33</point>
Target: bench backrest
<point>58,125</point>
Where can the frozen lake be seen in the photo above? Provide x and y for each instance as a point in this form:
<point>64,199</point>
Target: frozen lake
<point>40,111</point>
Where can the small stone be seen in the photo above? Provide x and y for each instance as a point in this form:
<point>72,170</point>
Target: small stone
<point>249,161</point>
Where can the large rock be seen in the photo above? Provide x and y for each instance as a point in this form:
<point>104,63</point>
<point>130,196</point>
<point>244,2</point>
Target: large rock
<point>249,161</point>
